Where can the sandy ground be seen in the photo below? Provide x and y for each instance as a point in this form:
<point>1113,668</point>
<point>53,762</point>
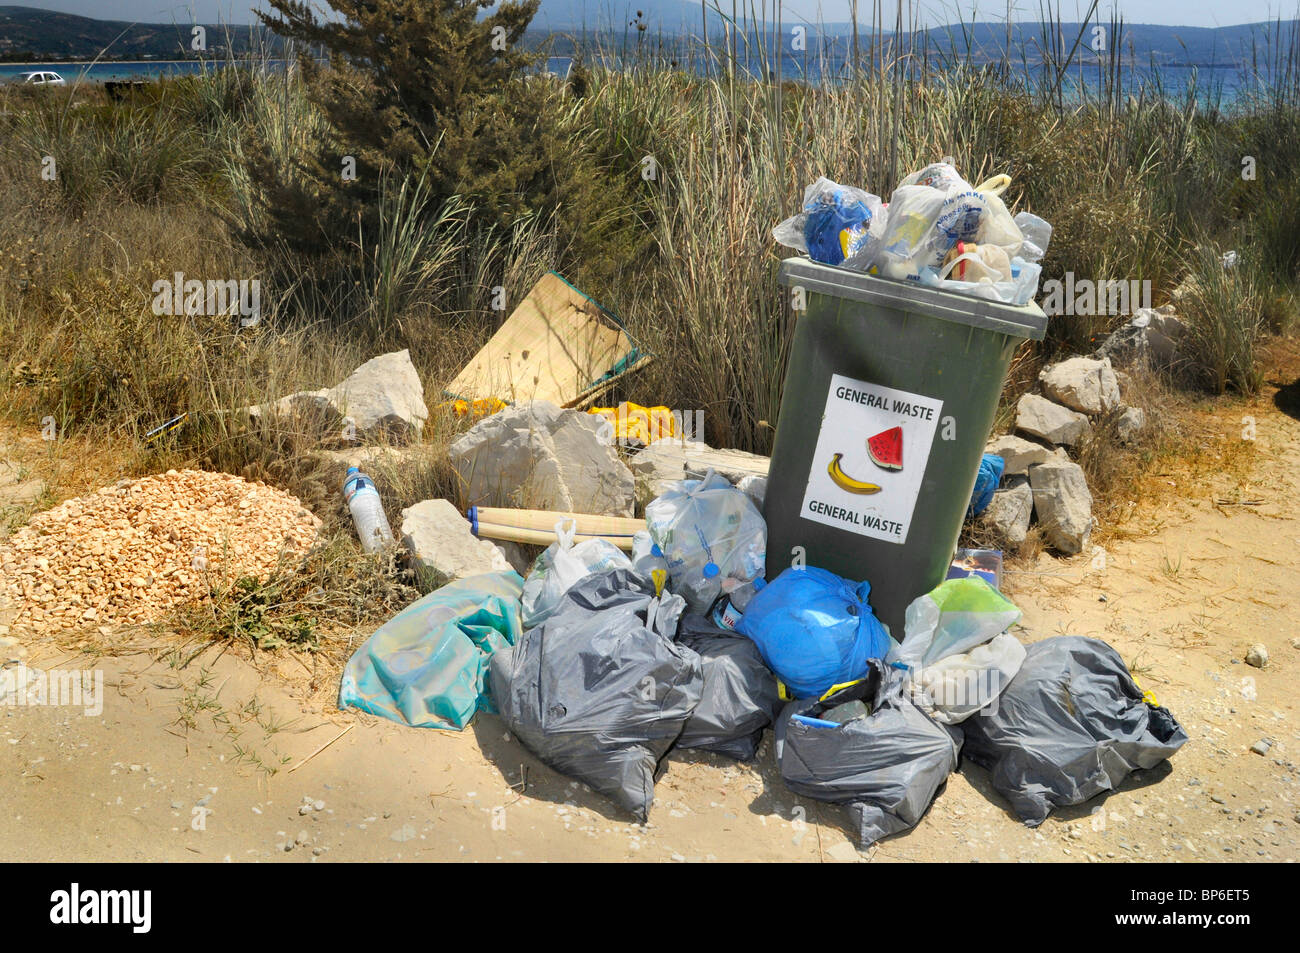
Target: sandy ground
<point>205,761</point>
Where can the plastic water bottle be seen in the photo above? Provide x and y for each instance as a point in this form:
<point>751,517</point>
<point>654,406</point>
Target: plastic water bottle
<point>730,607</point>
<point>367,511</point>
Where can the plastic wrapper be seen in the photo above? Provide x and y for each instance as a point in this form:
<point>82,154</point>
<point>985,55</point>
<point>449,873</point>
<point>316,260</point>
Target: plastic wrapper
<point>1071,725</point>
<point>708,532</point>
<point>1036,234</point>
<point>600,691</point>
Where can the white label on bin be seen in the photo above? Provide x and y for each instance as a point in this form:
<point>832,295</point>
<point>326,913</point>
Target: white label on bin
<point>871,455</point>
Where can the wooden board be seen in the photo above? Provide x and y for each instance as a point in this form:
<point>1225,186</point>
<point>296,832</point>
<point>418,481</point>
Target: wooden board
<point>554,347</point>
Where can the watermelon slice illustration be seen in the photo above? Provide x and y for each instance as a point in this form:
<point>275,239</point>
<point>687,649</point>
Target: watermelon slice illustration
<point>886,449</point>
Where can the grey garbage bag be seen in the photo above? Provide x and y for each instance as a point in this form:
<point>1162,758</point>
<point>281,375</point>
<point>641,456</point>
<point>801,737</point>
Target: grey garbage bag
<point>887,766</point>
<point>600,691</point>
<point>740,696</point>
<point>1070,725</point>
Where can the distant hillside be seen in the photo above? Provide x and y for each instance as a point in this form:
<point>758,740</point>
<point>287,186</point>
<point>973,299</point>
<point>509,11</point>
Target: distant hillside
<point>30,34</point>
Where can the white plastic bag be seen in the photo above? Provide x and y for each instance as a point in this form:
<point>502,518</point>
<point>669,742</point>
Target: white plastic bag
<point>956,649</point>
<point>560,566</point>
<point>1036,233</point>
<point>930,212</point>
<point>708,531</point>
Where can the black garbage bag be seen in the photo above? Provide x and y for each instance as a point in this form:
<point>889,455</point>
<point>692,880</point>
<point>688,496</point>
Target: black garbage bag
<point>600,691</point>
<point>740,696</point>
<point>887,765</point>
<point>1071,725</point>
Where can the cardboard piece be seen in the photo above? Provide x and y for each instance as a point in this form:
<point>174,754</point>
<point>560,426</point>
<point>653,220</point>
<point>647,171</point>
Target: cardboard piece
<point>556,346</point>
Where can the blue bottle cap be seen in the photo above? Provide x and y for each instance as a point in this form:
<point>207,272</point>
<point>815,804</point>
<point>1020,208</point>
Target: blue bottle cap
<point>711,570</point>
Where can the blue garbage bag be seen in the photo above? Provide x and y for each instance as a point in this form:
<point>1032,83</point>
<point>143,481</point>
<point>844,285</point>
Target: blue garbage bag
<point>814,629</point>
<point>427,666</point>
<point>986,482</point>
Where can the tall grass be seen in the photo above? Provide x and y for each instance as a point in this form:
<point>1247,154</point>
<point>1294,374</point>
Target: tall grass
<point>1223,308</point>
<point>1133,177</point>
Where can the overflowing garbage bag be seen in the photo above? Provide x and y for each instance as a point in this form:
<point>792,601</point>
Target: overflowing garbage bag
<point>886,764</point>
<point>1071,725</point>
<point>814,629</point>
<point>956,651</point>
<point>708,532</point>
<point>600,691</point>
<point>835,222</point>
<point>937,230</point>
<point>934,209</point>
<point>739,699</point>
<point>427,666</point>
<point>560,566</point>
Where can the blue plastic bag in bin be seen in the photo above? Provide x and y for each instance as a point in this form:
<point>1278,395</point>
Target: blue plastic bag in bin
<point>814,629</point>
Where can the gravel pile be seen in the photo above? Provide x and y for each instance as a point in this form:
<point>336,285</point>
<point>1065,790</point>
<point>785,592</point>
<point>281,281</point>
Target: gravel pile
<point>132,551</point>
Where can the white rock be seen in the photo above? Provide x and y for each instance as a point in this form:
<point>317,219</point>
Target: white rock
<point>1010,511</point>
<point>1082,383</point>
<point>1257,655</point>
<point>538,456</point>
<point>514,554</point>
<point>1041,417</point>
<point>1130,423</point>
<point>1063,504</point>
<point>383,398</point>
<point>442,547</point>
<point>1018,453</point>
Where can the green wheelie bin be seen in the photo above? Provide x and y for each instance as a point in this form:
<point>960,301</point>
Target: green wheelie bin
<point>889,397</point>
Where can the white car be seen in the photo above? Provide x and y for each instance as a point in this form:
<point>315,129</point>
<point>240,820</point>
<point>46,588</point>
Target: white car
<point>43,78</point>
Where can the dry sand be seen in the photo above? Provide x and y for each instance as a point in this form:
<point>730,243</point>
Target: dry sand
<point>175,768</point>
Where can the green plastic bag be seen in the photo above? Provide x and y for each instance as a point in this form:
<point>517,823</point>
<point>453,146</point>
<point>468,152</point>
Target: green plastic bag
<point>956,649</point>
<point>427,665</point>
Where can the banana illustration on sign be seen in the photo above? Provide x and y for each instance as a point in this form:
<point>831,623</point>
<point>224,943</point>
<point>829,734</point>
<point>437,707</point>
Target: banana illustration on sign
<point>846,482</point>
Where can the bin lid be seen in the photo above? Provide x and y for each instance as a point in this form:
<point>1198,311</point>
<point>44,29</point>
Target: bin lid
<point>1025,321</point>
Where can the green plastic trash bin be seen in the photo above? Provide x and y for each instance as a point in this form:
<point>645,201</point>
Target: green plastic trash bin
<point>888,401</point>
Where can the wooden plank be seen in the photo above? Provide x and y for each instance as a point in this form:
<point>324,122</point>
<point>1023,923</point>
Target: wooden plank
<point>554,346</point>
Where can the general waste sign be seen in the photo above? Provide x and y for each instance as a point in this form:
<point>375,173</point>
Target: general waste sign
<point>871,455</point>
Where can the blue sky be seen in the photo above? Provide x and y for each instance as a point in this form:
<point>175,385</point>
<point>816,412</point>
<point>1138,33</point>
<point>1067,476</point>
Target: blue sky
<point>1169,12</point>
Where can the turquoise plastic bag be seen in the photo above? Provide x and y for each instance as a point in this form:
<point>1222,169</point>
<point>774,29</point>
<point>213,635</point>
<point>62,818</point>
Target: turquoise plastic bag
<point>427,666</point>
